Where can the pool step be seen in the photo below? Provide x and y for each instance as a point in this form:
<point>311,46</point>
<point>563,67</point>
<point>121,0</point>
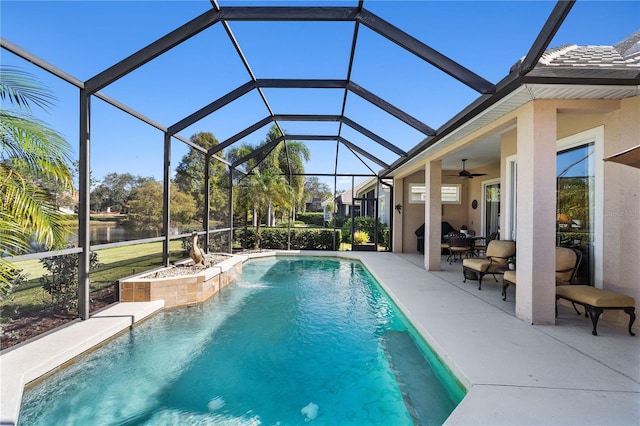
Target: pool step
<point>426,398</point>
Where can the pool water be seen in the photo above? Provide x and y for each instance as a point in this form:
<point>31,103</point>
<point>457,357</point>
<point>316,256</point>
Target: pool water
<point>297,340</point>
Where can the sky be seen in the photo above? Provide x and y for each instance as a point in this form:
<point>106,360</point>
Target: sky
<point>83,38</point>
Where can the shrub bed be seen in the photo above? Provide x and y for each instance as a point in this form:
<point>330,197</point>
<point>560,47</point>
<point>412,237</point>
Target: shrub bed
<point>276,238</point>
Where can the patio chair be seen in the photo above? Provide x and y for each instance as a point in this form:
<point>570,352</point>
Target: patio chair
<point>498,253</point>
<point>458,245</point>
<point>567,263</point>
<point>481,243</point>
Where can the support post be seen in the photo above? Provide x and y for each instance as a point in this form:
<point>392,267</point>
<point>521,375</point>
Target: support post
<point>432,215</point>
<point>536,207</point>
<point>231,210</point>
<point>207,202</point>
<point>166,205</point>
<point>84,205</point>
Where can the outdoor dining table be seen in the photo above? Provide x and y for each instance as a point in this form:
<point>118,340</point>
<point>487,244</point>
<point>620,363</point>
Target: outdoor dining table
<point>472,244</point>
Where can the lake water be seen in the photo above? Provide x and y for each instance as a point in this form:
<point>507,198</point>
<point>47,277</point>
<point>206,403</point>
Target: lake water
<point>103,233</point>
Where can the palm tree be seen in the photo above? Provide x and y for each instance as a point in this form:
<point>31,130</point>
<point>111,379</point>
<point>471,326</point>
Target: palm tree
<point>291,161</point>
<point>262,191</point>
<point>33,157</point>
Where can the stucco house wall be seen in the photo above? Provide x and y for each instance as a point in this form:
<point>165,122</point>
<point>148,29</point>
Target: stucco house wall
<point>413,214</point>
<point>622,204</point>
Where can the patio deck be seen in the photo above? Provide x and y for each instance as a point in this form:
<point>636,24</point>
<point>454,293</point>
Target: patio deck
<point>516,373</point>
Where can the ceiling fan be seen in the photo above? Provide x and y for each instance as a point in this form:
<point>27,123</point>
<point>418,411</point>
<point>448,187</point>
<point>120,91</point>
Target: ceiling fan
<point>464,174</point>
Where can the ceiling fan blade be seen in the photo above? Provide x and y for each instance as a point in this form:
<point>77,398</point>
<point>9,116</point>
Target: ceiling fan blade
<point>465,174</point>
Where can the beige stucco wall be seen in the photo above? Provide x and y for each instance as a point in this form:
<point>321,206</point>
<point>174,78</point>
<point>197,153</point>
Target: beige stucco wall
<point>412,214</point>
<point>621,269</point>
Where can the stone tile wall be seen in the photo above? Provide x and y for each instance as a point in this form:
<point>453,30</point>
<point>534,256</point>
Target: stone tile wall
<point>181,290</point>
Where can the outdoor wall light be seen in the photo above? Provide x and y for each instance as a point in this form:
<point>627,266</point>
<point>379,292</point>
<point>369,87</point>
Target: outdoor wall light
<point>399,208</point>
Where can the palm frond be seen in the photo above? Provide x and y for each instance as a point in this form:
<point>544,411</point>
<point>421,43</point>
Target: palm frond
<point>42,150</point>
<point>27,213</point>
<point>20,89</point>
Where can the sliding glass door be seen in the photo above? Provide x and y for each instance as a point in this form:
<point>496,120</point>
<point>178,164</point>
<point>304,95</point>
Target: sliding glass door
<point>491,218</point>
<point>575,191</point>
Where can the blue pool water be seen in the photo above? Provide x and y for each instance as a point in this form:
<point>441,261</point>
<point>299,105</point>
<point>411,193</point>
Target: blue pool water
<point>297,340</point>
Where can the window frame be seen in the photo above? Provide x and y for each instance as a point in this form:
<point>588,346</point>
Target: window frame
<point>458,193</point>
<point>412,192</point>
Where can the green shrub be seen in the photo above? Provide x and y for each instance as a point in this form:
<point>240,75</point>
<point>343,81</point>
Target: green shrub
<point>62,284</point>
<point>385,239</point>
<point>340,221</point>
<point>276,238</point>
<point>311,218</point>
<point>14,277</point>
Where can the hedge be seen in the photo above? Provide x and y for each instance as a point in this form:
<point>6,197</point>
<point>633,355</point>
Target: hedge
<point>367,224</point>
<point>311,218</point>
<point>301,239</point>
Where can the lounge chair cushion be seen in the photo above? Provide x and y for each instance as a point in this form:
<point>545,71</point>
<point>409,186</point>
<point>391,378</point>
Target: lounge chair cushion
<point>585,294</point>
<point>501,250</point>
<point>483,265</point>
<point>565,265</point>
<point>510,276</point>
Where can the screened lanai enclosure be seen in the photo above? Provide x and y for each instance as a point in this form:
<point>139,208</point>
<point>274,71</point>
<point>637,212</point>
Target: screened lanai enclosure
<point>220,114</point>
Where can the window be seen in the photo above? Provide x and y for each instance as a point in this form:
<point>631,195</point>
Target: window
<point>449,193</point>
<point>416,193</point>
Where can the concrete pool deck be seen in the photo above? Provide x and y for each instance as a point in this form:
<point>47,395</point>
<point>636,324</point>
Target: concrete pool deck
<point>515,373</point>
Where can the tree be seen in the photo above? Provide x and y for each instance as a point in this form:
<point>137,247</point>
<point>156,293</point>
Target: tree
<point>261,191</point>
<point>182,207</point>
<point>295,152</point>
<point>146,207</point>
<point>190,176</point>
<point>31,152</point>
<point>115,191</point>
<point>278,161</point>
<point>313,188</point>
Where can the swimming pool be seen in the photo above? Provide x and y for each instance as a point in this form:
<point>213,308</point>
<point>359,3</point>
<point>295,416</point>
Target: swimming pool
<point>299,339</point>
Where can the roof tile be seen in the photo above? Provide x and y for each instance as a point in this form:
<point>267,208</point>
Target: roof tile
<point>623,54</point>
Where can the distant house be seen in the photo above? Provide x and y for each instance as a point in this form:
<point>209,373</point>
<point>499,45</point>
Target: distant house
<point>67,202</point>
<point>315,205</point>
<point>367,194</point>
